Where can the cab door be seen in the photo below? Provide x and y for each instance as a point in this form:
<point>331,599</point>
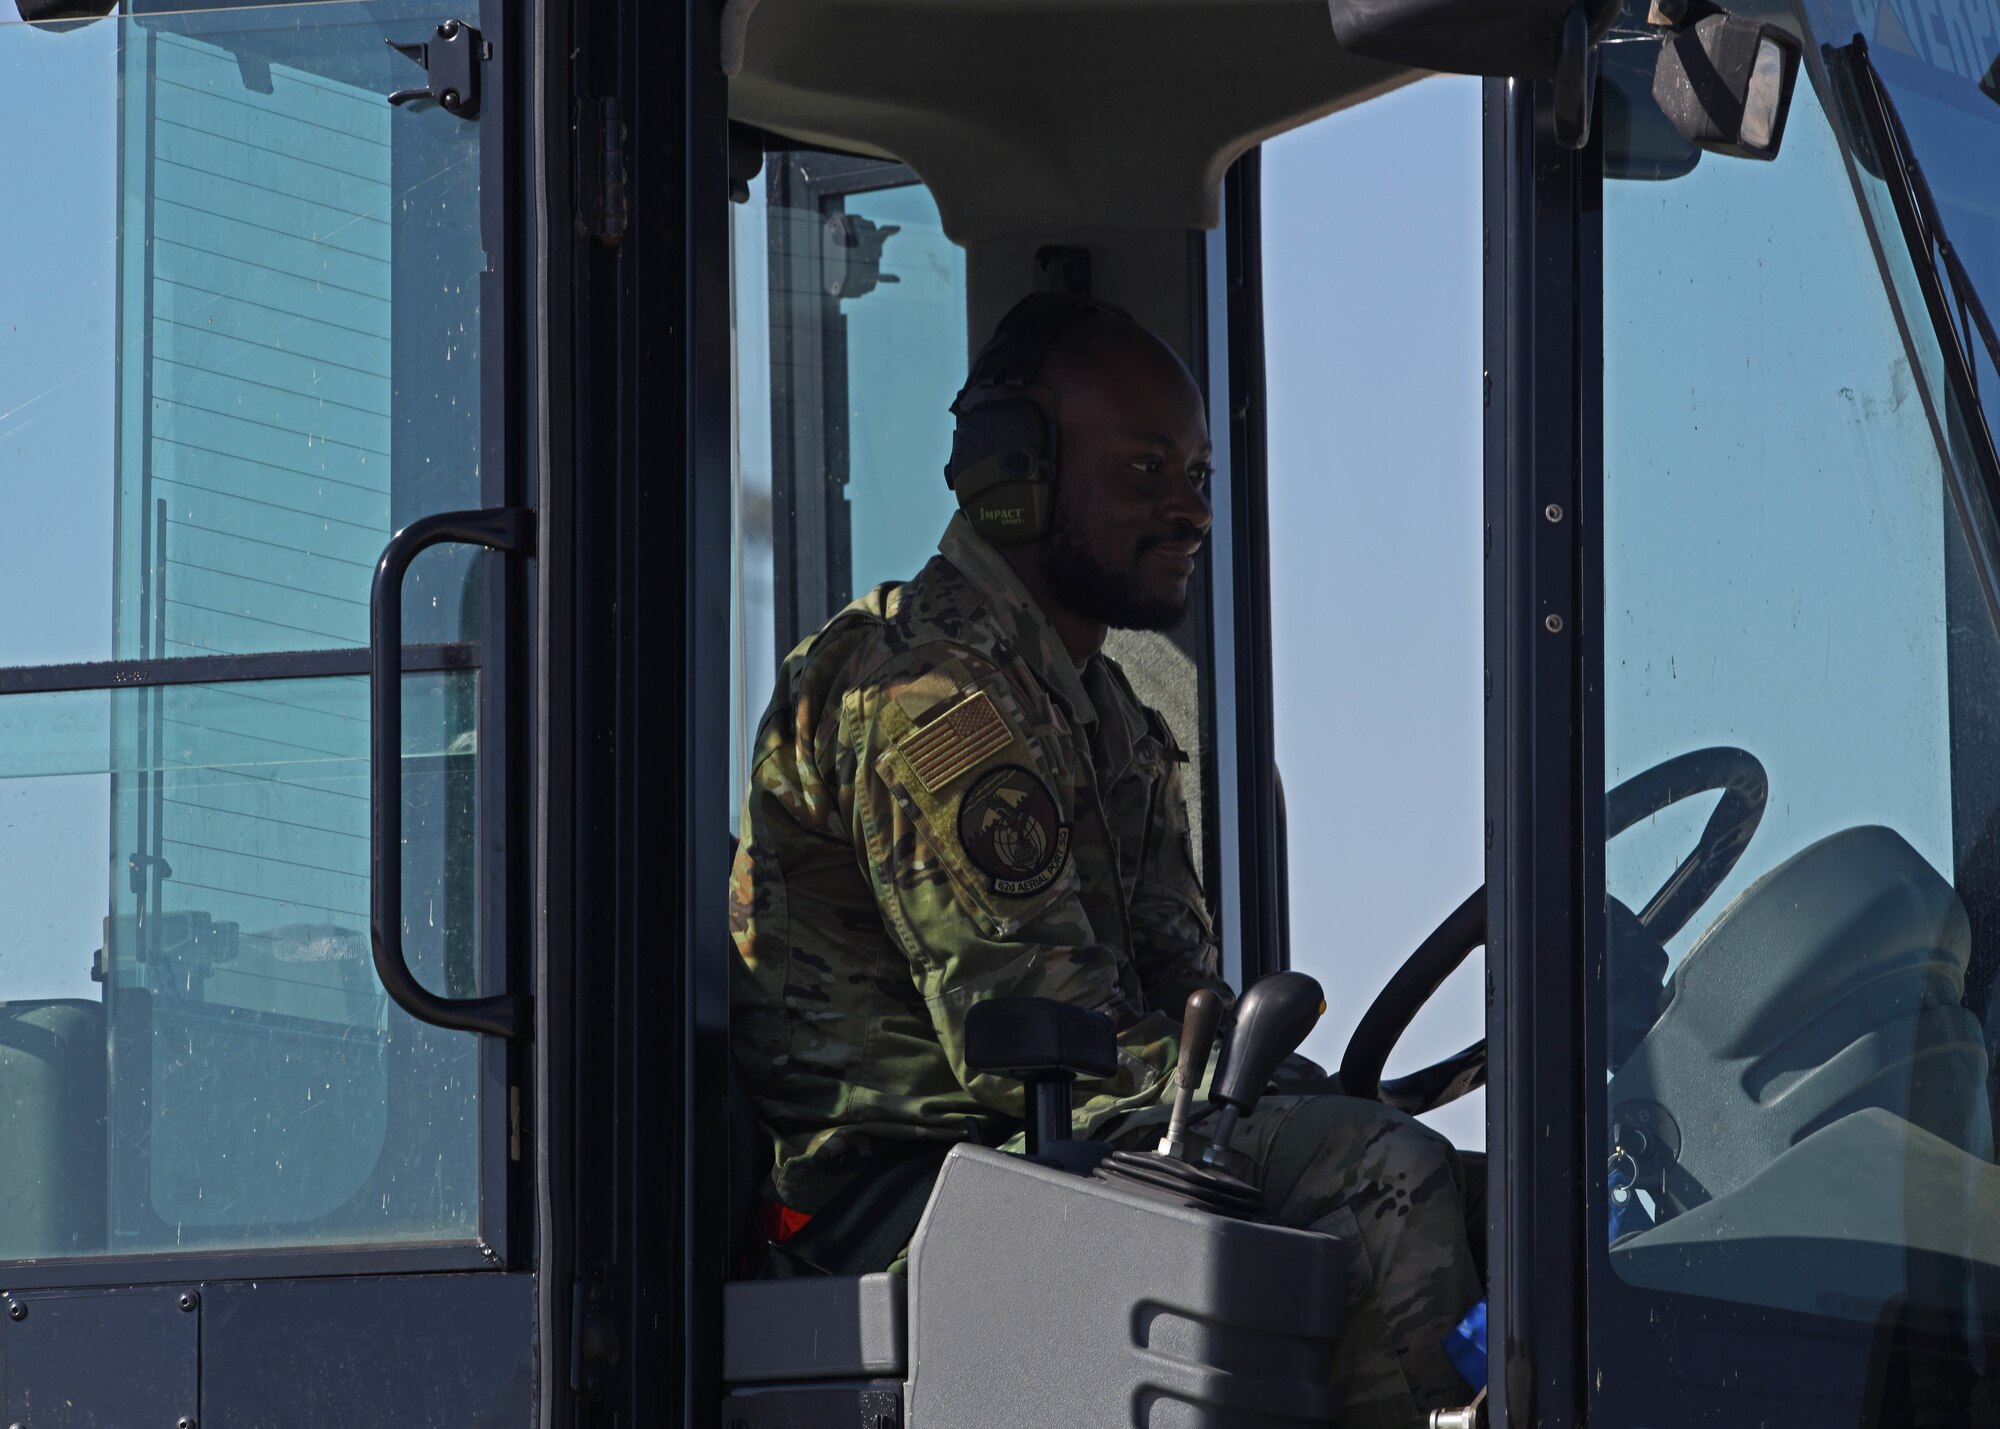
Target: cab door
<point>1743,648</point>
<point>261,1041</point>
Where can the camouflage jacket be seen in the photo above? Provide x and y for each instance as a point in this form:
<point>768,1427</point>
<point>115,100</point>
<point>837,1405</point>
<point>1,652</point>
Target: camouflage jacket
<point>943,808</point>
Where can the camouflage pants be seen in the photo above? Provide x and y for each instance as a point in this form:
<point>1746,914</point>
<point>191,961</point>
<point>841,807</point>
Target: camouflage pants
<point>1392,1191</point>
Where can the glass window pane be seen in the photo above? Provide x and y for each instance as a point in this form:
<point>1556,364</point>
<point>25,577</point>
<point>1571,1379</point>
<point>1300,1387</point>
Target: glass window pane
<point>850,344</point>
<point>1800,669</point>
<point>250,349</point>
<point>1374,486</point>
<point>194,1047</point>
<point>850,334</point>
<point>906,354</point>
<point>1945,82</point>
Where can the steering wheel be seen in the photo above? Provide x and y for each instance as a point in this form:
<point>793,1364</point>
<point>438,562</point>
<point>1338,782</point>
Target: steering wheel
<point>1740,777</point>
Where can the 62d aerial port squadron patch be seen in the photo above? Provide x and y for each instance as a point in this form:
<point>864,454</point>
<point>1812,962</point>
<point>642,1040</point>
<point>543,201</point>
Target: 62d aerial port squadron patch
<point>1009,827</point>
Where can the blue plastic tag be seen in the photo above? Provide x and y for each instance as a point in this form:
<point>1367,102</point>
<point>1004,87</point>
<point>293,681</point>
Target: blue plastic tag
<point>1465,1346</point>
<point>1627,1215</point>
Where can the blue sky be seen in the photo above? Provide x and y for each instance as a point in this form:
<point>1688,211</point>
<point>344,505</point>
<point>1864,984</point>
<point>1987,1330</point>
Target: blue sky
<point>1372,336</point>
<point>58,359</point>
<point>58,389</point>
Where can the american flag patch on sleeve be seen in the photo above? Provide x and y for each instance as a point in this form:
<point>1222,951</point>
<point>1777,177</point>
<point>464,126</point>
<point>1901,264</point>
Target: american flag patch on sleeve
<point>954,741</point>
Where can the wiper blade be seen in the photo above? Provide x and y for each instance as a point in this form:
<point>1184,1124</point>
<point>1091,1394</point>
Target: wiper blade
<point>1923,224</point>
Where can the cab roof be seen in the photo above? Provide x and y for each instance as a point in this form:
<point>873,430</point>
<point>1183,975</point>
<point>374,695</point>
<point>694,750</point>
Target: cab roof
<point>1026,117</point>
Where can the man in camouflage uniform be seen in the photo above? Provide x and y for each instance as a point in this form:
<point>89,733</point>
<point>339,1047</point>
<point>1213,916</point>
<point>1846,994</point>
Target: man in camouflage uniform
<point>956,796</point>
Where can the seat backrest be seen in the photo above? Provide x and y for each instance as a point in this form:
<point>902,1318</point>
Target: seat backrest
<point>52,1128</point>
<point>1833,983</point>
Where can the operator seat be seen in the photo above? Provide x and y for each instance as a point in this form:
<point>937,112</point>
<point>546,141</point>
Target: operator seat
<point>52,1101</point>
<point>1812,1108</point>
<point>1833,984</point>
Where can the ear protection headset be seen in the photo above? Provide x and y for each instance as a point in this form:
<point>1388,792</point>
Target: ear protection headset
<point>1003,451</point>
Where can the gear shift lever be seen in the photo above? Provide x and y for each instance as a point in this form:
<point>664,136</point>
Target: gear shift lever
<point>1272,1018</point>
<point>1199,1020</point>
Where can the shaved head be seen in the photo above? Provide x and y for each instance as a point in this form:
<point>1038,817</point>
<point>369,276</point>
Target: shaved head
<point>1085,347</point>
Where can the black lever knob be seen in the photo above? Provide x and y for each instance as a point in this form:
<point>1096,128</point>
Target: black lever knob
<point>1272,1018</point>
<point>1045,1045</point>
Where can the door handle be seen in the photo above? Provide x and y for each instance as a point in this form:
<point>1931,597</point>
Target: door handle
<point>510,529</point>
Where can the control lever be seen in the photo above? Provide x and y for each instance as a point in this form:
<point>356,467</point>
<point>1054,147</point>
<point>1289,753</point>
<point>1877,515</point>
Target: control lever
<point>1272,1019</point>
<point>1199,1021</point>
<point>1045,1045</point>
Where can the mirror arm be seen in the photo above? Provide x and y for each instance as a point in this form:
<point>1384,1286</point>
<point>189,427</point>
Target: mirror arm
<point>1575,83</point>
<point>1527,40</point>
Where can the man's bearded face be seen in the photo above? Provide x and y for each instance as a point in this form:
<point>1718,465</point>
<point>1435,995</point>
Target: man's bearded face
<point>1131,508</point>
<point>1123,590</point>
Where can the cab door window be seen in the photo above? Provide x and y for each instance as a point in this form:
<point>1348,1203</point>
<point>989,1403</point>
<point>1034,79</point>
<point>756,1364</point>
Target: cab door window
<point>245,343</point>
<point>1799,894</point>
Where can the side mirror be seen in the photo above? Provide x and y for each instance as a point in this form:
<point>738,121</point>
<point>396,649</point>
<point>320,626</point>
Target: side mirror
<point>33,10</point>
<point>1726,83</point>
<point>1554,40</point>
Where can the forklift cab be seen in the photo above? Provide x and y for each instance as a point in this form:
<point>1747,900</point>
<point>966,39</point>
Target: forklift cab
<point>1797,980</point>
<point>424,428</point>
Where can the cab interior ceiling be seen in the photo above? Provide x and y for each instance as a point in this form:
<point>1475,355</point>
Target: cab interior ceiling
<point>1101,124</point>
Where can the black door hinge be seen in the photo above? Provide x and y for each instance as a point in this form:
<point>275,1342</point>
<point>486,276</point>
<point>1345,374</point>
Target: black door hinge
<point>602,204</point>
<point>452,57</point>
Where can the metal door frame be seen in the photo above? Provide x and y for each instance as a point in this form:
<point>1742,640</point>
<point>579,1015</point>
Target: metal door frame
<point>633,1318</point>
<point>1544,765</point>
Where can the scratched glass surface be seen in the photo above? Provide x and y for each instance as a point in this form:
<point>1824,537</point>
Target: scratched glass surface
<point>1801,1117</point>
<point>242,332</point>
<point>194,1047</point>
<point>1939,71</point>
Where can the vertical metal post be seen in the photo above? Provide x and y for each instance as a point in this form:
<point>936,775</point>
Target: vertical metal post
<point>1048,1113</point>
<point>1257,913</point>
<point>804,431</point>
<point>1542,377</point>
<point>156,867</point>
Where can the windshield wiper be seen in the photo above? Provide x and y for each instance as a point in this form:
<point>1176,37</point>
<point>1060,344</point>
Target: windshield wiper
<point>1930,245</point>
